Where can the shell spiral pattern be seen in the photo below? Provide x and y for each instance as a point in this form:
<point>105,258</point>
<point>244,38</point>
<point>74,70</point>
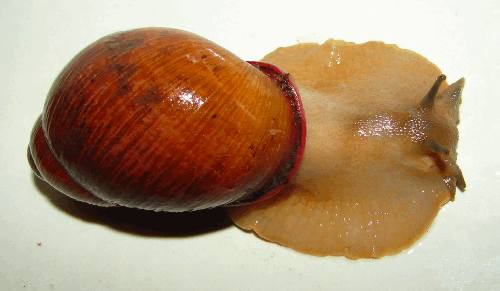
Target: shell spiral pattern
<point>166,120</point>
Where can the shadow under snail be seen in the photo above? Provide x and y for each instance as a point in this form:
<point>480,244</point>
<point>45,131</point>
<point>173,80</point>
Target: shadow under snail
<point>165,120</point>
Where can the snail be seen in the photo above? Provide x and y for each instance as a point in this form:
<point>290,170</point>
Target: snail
<point>165,120</point>
<point>381,152</point>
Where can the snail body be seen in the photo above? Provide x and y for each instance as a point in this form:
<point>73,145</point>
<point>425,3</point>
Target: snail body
<point>166,120</point>
<point>381,156</point>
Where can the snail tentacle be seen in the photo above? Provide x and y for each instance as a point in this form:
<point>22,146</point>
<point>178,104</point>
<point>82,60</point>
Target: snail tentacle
<point>430,97</point>
<point>433,146</point>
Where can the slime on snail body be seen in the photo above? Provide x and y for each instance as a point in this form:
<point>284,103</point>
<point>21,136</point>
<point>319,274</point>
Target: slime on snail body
<point>380,157</point>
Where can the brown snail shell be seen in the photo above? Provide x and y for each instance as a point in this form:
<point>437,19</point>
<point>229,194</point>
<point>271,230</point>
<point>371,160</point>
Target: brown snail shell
<point>166,120</point>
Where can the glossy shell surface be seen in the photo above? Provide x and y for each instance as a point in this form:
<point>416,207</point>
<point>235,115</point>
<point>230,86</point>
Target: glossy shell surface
<point>165,120</point>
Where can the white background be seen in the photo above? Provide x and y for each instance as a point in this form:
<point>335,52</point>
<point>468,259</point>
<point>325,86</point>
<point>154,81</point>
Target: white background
<point>88,248</point>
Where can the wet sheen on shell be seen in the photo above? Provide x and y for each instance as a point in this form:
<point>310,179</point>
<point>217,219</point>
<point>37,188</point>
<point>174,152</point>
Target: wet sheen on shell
<point>163,119</point>
<point>380,158</point>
